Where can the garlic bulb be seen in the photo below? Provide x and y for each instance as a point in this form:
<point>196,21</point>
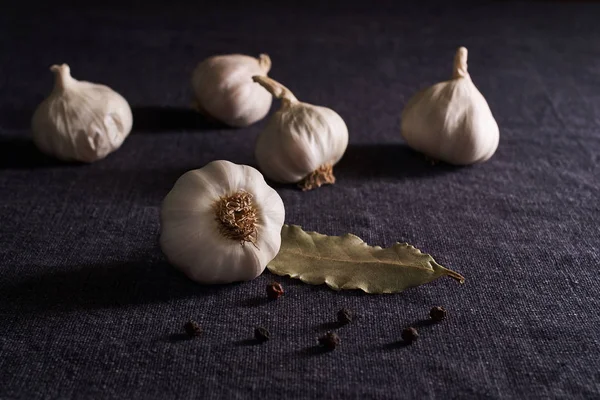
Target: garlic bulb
<point>224,90</point>
<point>221,223</point>
<point>451,121</point>
<point>301,142</point>
<point>80,120</point>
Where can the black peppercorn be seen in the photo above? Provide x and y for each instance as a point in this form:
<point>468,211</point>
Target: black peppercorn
<point>261,334</point>
<point>274,290</point>
<point>330,341</point>
<point>409,335</point>
<point>344,316</point>
<point>192,328</point>
<point>437,313</point>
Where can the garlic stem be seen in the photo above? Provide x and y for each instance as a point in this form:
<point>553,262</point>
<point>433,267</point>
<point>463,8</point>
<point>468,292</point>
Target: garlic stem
<point>276,89</point>
<point>265,62</point>
<point>63,76</point>
<point>460,64</point>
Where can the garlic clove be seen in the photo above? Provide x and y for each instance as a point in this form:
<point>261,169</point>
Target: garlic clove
<point>80,120</point>
<point>451,121</point>
<point>225,92</point>
<point>301,142</point>
<point>221,223</point>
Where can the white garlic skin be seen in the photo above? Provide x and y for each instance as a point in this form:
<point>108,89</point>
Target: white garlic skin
<point>451,121</point>
<point>189,232</point>
<point>225,91</point>
<point>299,138</point>
<point>80,120</point>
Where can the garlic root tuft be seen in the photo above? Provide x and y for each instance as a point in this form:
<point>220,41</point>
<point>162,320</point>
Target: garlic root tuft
<point>321,176</point>
<point>237,217</point>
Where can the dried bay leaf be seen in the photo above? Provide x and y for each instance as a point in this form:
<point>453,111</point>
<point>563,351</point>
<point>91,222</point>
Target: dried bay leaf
<point>347,262</point>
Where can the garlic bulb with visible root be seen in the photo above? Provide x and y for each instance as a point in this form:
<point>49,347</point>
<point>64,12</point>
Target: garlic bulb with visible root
<point>80,120</point>
<point>301,142</point>
<point>221,223</point>
<point>451,121</point>
<point>224,89</point>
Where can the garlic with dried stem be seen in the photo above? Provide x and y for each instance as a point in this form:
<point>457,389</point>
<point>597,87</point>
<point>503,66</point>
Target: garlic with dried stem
<point>301,142</point>
<point>80,120</point>
<point>225,92</point>
<point>221,223</point>
<point>451,121</point>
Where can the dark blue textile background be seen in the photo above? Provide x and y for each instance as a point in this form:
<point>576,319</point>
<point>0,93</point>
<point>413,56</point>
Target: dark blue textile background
<point>89,308</point>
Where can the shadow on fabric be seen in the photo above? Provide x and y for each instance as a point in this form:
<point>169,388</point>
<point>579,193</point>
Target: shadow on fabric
<point>16,118</point>
<point>312,351</point>
<point>17,151</point>
<point>20,153</point>
<point>154,119</point>
<point>392,160</point>
<point>102,286</point>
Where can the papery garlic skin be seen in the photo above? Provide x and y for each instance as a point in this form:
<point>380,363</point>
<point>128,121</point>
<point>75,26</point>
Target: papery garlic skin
<point>80,120</point>
<point>191,232</point>
<point>224,89</point>
<point>301,142</point>
<point>451,121</point>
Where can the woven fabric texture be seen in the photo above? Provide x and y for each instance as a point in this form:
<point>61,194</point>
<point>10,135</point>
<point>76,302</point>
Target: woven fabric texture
<point>90,309</point>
